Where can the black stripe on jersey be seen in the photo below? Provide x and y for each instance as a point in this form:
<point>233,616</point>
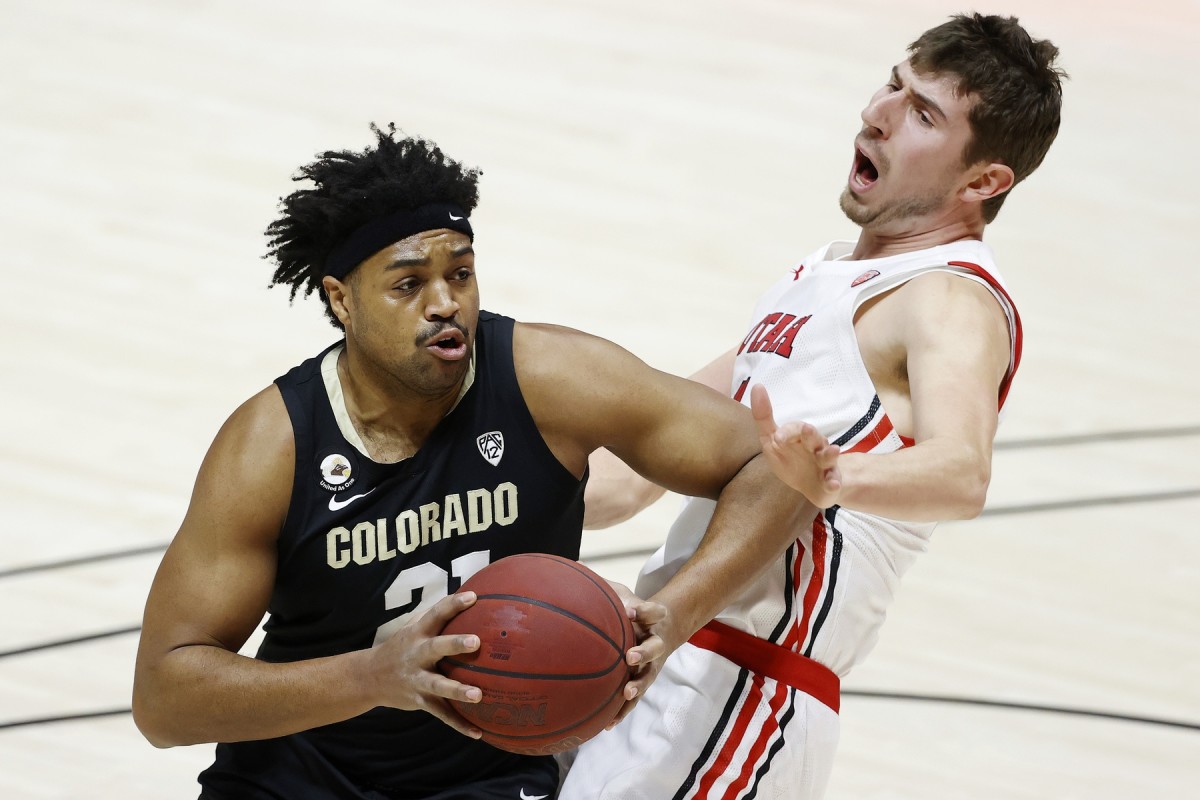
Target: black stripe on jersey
<point>857,427</point>
<point>788,591</point>
<point>765,767</point>
<point>711,744</point>
<point>835,559</point>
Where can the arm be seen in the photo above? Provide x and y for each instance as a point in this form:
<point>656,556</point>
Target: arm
<point>212,589</point>
<point>615,492</point>
<point>680,435</point>
<point>955,341</point>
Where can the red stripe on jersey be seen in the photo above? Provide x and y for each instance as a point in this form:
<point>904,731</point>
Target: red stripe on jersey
<point>1018,336</point>
<point>820,536</point>
<point>769,728</point>
<point>868,442</point>
<point>725,757</point>
<point>907,442</point>
<point>793,637</point>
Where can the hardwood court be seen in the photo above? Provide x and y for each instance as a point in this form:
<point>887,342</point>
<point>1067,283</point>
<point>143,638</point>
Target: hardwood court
<point>648,169</point>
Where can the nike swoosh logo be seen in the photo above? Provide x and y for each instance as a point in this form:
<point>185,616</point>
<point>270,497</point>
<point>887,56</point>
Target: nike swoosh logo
<point>533,796</point>
<point>337,505</point>
<point>456,219</point>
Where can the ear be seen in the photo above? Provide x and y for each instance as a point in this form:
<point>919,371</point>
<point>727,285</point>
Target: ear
<point>991,180</point>
<point>341,298</point>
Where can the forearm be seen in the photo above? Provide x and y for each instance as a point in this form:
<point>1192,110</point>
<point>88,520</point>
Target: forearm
<point>200,693</point>
<point>929,482</point>
<point>756,519</point>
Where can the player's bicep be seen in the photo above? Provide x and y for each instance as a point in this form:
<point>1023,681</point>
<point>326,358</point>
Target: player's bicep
<point>215,580</point>
<point>958,352</point>
<point>680,434</point>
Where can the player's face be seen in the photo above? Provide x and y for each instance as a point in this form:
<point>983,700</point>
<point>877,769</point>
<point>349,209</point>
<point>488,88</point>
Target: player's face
<point>908,166</point>
<point>412,309</point>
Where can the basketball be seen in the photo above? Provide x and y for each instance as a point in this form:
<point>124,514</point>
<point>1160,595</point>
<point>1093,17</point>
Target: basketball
<point>551,658</point>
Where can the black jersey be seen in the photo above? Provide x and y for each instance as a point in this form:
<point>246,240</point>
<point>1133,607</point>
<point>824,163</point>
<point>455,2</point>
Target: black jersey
<point>367,547</point>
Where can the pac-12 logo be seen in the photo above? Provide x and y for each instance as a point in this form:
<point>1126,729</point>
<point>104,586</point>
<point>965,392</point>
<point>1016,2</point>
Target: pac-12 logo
<point>491,446</point>
<point>336,473</point>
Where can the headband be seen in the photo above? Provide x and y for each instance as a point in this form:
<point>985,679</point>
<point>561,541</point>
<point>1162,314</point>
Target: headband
<point>377,234</point>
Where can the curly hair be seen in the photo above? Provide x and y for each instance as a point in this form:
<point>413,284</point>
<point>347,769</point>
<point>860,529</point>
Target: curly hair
<point>1019,89</point>
<point>351,189</point>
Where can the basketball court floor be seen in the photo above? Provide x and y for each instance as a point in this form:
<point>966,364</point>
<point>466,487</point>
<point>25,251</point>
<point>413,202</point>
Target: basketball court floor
<point>649,168</point>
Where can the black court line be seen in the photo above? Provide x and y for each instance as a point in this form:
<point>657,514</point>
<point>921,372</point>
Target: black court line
<point>1097,438</point>
<point>1024,508</point>
<point>25,723</point>
<point>862,693</point>
<point>1010,444</point>
<point>992,511</point>
<point>1092,502</point>
<point>92,559</point>
<point>978,701</point>
<point>88,637</point>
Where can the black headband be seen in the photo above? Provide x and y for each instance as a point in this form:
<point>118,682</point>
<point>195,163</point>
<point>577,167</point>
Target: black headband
<point>379,233</point>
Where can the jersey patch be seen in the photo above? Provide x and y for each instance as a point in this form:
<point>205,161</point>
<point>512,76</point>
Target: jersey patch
<point>491,446</point>
<point>337,472</point>
<point>866,276</point>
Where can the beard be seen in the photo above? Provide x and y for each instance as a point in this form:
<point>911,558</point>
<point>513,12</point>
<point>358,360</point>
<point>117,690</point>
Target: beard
<point>903,209</point>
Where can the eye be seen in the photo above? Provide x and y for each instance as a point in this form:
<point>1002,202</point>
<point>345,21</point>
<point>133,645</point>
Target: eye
<point>926,120</point>
<point>891,86</point>
<point>407,286</point>
<point>463,274</point>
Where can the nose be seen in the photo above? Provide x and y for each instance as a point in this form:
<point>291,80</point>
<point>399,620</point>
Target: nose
<point>440,300</point>
<point>876,114</point>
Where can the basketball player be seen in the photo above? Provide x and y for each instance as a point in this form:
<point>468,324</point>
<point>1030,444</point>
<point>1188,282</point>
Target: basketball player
<point>352,497</point>
<point>894,353</point>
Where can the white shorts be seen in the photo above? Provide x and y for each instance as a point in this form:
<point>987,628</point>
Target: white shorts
<point>710,730</point>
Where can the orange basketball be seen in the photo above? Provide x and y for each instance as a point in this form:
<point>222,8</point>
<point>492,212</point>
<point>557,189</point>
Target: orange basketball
<point>551,658</point>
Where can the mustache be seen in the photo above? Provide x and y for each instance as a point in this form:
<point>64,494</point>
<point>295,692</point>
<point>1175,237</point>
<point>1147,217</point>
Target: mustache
<point>435,330</point>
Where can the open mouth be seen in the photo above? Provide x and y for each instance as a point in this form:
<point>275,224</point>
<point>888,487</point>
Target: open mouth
<point>450,343</point>
<point>864,173</point>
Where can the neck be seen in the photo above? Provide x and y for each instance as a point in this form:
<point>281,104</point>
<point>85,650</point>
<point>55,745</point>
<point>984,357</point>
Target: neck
<point>891,241</point>
<point>392,418</point>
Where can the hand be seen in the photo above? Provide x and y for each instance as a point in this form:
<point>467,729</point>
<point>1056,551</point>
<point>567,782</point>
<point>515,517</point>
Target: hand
<point>651,621</point>
<point>798,453</point>
<point>406,665</point>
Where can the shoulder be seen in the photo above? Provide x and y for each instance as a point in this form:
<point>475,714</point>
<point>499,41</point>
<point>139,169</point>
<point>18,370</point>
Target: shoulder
<point>542,350</point>
<point>253,455</point>
<point>262,419</point>
<point>940,304</point>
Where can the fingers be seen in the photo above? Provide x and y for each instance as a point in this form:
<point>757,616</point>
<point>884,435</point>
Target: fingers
<point>445,610</point>
<point>647,612</point>
<point>652,648</point>
<point>760,408</point>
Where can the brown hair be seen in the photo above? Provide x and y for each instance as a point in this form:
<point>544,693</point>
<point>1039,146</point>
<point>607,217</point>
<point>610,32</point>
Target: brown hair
<point>1018,89</point>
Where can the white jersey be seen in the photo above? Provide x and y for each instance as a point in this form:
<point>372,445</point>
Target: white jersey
<point>710,728</point>
<point>828,595</point>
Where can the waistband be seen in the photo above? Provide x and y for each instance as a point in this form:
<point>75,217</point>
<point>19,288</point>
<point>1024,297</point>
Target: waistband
<point>765,658</point>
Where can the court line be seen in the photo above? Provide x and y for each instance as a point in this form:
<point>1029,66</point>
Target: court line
<point>23,723</point>
<point>73,562</point>
<point>1009,444</point>
<point>1093,502</point>
<point>993,511</point>
<point>979,701</point>
<point>87,637</point>
<point>1097,438</point>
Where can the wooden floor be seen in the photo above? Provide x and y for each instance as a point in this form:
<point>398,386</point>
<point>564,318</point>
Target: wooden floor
<point>648,169</point>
